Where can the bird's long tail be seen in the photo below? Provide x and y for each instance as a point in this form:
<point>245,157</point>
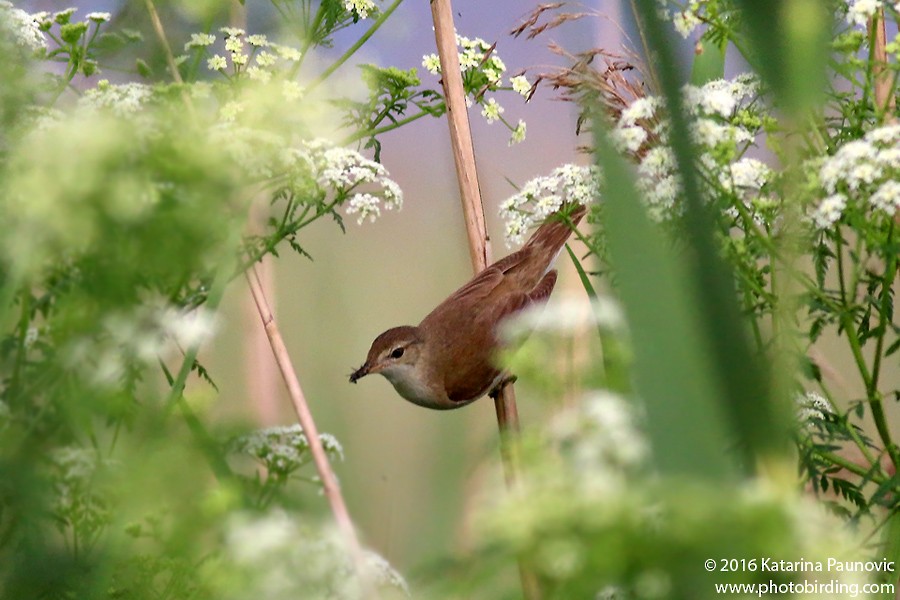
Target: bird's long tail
<point>551,236</point>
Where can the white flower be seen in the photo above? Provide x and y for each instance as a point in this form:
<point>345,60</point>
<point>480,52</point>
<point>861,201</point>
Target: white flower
<point>811,406</point>
<point>188,328</point>
<point>239,59</point>
<point>199,40</point>
<point>432,63</point>
<point>258,40</point>
<point>98,17</point>
<point>520,85</point>
<point>860,11</point>
<point>629,139</point>
<point>234,44</point>
<point>291,90</point>
<point>231,110</point>
<point>265,59</point>
<point>640,109</point>
<point>25,28</point>
<point>360,7</point>
<point>258,74</point>
<point>685,22</point>
<point>518,134</point>
<point>122,100</point>
<point>216,62</point>
<point>749,173</point>
<point>287,53</point>
<point>232,31</point>
<point>829,211</point>
<point>366,206</point>
<point>542,196</point>
<point>887,198</point>
<point>658,162</point>
<point>491,110</point>
<point>565,316</point>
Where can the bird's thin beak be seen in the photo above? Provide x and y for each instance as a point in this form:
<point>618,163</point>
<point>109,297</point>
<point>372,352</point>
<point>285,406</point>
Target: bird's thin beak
<point>359,373</point>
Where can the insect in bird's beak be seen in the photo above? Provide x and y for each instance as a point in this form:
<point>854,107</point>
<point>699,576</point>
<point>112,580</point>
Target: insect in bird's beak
<point>359,373</point>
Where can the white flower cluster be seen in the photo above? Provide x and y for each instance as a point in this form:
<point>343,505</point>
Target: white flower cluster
<point>543,196</point>
<point>344,171</point>
<point>863,175</point>
<point>143,335</point>
<point>284,559</point>
<point>601,437</point>
<point>566,315</point>
<point>123,100</point>
<point>684,14</point>
<point>360,7</point>
<point>480,62</point>
<point>75,503</point>
<point>811,408</point>
<point>253,56</point>
<point>725,120</point>
<point>860,11</point>
<point>25,28</point>
<point>282,450</point>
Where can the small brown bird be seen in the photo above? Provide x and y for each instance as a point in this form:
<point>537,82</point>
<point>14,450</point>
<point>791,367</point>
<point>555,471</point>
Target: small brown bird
<point>447,360</point>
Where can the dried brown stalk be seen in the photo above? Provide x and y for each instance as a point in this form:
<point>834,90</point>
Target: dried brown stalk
<point>479,242</point>
<point>884,80</point>
<point>613,79</point>
<point>320,458</point>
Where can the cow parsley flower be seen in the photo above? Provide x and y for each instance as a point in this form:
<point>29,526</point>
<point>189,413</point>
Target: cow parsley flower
<point>123,100</point>
<point>829,211</point>
<point>860,11</point>
<point>98,17</point>
<point>518,134</point>
<point>491,110</point>
<point>723,122</point>
<point>200,40</point>
<point>25,28</point>
<point>520,85</point>
<point>862,174</point>
<point>216,62</point>
<point>360,7</point>
<point>543,196</point>
<point>432,63</point>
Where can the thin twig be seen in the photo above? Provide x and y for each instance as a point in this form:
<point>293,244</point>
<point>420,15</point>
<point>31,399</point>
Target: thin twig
<point>320,458</point>
<point>479,242</point>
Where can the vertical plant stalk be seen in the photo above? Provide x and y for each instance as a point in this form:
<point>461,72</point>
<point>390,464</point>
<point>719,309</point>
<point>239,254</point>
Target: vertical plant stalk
<point>884,80</point>
<point>167,50</point>
<point>323,466</point>
<point>161,35</point>
<point>476,230</point>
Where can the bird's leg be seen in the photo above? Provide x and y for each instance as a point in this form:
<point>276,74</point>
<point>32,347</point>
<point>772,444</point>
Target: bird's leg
<point>497,389</point>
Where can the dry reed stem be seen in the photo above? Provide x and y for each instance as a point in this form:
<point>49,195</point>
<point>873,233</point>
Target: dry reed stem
<point>884,100</point>
<point>479,242</point>
<point>323,467</point>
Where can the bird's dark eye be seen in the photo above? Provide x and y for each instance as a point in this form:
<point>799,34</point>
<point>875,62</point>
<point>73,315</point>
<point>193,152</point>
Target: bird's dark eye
<point>397,353</point>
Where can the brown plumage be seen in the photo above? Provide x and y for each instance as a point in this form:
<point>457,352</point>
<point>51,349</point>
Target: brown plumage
<point>447,360</point>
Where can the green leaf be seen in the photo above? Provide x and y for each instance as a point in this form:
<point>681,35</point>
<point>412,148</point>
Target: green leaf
<point>788,44</point>
<point>143,68</point>
<point>674,369</point>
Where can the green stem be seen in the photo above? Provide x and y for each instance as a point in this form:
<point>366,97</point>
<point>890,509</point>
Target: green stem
<point>356,46</point>
<point>851,466</point>
<point>308,38</point>
<point>375,132</point>
<point>890,273</point>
